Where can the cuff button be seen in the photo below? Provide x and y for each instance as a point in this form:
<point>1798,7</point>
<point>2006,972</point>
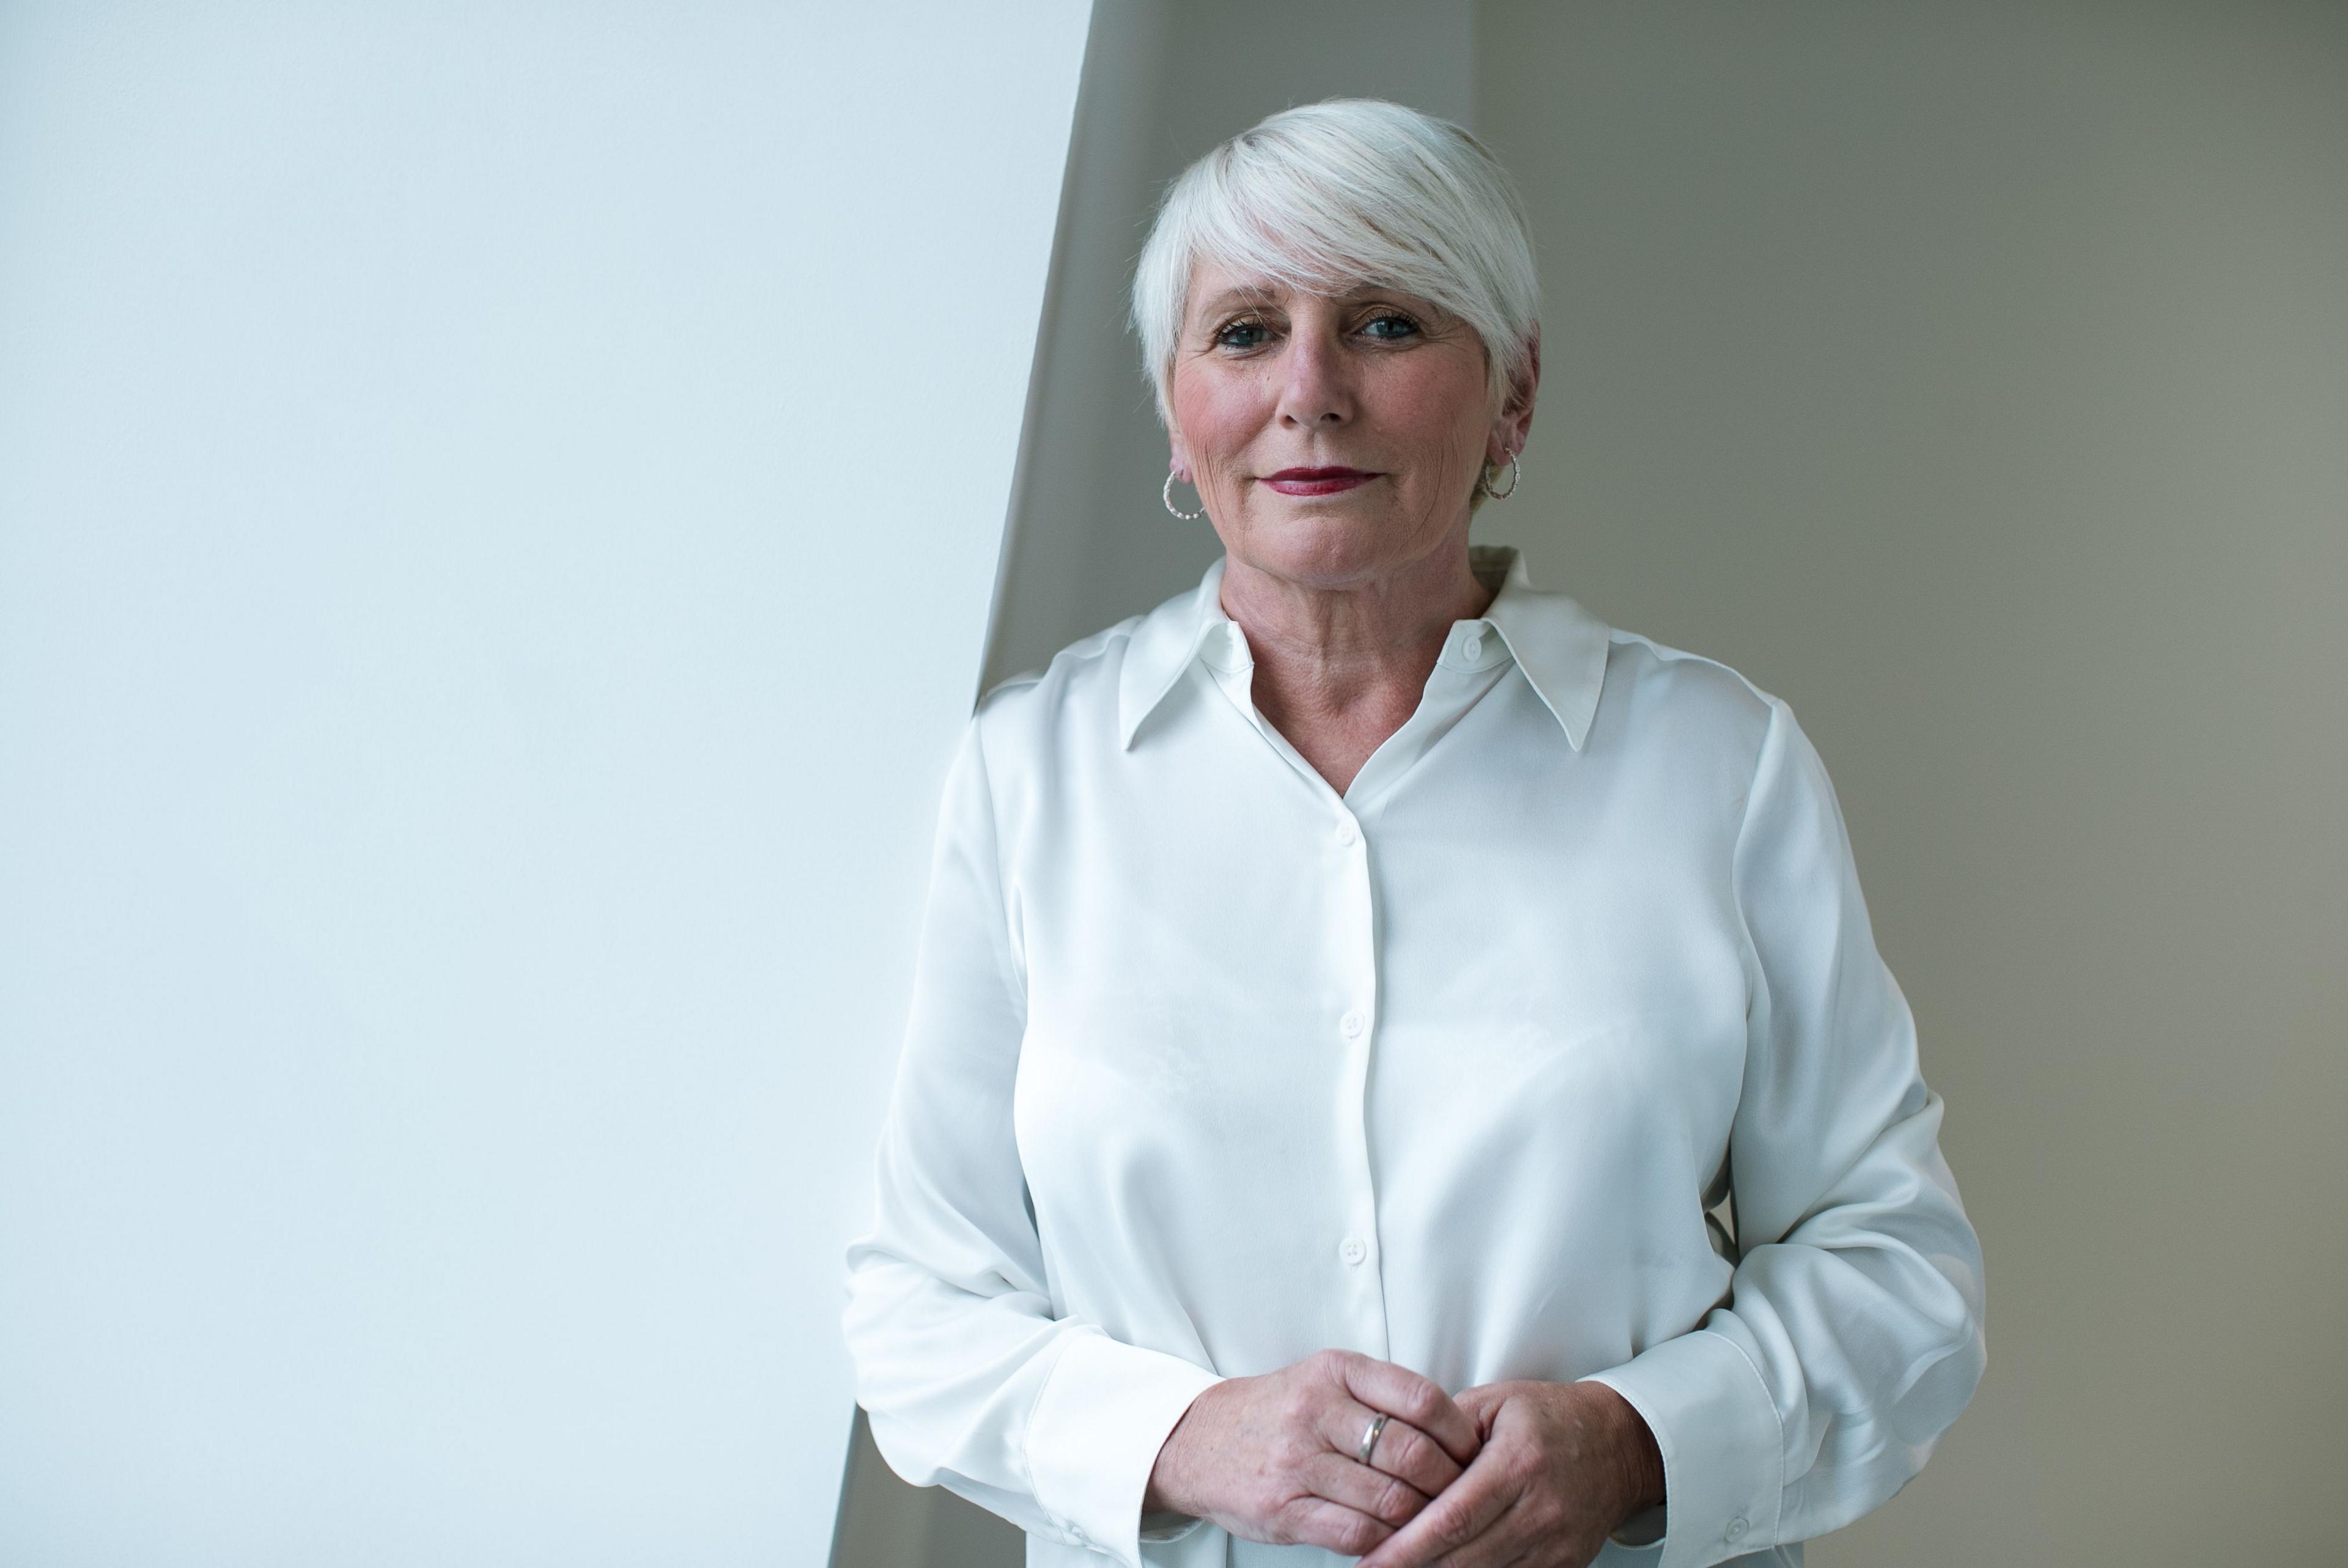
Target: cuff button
<point>1737,1527</point>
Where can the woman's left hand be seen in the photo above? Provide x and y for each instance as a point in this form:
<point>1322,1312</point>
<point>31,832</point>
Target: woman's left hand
<point>1563,1466</point>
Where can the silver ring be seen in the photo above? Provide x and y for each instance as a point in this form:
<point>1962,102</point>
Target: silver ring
<point>1369,1439</point>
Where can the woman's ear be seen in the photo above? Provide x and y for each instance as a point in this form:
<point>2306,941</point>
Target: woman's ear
<point>1515,424</point>
<point>1178,455</point>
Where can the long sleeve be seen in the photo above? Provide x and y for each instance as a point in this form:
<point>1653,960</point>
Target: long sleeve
<point>971,1380</point>
<point>1853,1334</point>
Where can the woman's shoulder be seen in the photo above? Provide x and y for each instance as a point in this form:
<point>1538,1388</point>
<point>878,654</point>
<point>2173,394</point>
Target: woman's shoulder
<point>1668,692</point>
<point>1070,702</point>
<point>1693,676</point>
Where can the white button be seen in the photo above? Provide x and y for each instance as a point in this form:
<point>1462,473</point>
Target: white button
<point>1346,833</point>
<point>1737,1527</point>
<point>1352,1024</point>
<point>1472,649</point>
<point>1351,1250</point>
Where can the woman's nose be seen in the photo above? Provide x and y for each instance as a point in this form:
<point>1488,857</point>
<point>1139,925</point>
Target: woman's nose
<point>1315,390</point>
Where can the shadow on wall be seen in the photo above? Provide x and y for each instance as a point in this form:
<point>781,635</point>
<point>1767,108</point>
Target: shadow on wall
<point>1088,542</point>
<point>885,1524</point>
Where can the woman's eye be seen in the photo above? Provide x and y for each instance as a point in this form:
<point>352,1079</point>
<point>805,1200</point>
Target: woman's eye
<point>1390,328</point>
<point>1241,334</point>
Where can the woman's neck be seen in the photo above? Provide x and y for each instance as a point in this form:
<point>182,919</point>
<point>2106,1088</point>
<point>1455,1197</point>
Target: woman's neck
<point>1339,669</point>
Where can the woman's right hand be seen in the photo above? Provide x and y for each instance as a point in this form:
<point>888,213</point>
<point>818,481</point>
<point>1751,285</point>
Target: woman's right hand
<point>1271,1458</point>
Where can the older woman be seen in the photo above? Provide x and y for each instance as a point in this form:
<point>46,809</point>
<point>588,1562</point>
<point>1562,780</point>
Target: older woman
<point>1351,993</point>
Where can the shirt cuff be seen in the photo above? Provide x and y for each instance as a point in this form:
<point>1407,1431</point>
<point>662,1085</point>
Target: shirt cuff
<point>1724,1462</point>
<point>1105,1411</point>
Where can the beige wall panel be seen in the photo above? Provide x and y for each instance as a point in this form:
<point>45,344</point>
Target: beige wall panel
<point>1975,378</point>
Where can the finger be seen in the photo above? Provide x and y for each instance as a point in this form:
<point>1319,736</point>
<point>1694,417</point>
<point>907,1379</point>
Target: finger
<point>1448,1524</point>
<point>1501,1545</point>
<point>1333,1527</point>
<point>1402,1450</point>
<point>1481,1397</point>
<point>1406,1396</point>
<point>1388,1499</point>
<point>1480,1404</point>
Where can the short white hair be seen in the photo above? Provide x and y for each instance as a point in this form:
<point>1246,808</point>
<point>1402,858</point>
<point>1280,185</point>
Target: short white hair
<point>1331,196</point>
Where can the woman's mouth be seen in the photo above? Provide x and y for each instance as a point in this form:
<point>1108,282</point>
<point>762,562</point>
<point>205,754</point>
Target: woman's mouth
<point>1316,481</point>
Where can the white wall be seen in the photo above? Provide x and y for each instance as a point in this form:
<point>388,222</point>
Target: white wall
<point>497,511</point>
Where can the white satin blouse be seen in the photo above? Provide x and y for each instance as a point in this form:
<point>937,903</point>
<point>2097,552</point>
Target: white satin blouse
<point>1211,1067</point>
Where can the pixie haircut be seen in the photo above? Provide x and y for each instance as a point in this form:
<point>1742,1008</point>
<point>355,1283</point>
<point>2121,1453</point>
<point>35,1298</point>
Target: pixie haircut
<point>1331,196</point>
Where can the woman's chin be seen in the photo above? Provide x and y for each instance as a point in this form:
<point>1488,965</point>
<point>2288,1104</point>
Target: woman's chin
<point>1321,545</point>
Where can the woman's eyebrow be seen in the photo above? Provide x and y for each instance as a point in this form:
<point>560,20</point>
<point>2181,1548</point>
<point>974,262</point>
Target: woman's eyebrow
<point>1233,298</point>
<point>1361,294</point>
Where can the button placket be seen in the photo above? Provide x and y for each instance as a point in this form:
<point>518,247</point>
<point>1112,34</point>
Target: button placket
<point>1358,999</point>
<point>1355,1023</point>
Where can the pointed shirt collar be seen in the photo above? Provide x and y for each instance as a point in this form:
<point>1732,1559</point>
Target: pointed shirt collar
<point>1560,646</point>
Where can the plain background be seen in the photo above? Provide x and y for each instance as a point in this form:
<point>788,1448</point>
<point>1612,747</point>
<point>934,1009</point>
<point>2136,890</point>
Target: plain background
<point>498,504</point>
<point>1974,377</point>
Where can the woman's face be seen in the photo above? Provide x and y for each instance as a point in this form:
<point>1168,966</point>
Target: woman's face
<point>1334,438</point>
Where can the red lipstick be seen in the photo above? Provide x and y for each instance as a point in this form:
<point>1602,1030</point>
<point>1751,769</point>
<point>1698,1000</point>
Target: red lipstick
<point>1316,481</point>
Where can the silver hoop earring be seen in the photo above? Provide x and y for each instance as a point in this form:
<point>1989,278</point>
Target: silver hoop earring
<point>1168,496</point>
<point>1515,477</point>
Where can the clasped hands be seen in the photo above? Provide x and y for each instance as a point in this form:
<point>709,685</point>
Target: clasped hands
<point>1527,1474</point>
